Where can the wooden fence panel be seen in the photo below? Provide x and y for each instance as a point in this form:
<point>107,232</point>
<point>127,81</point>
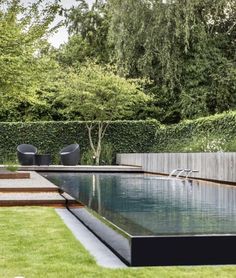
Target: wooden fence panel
<point>213,166</point>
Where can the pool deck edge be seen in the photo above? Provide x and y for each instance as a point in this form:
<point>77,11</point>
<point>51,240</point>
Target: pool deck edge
<point>102,254</point>
<point>80,168</point>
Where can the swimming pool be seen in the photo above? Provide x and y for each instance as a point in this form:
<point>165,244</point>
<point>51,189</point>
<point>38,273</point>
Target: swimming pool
<point>151,214</point>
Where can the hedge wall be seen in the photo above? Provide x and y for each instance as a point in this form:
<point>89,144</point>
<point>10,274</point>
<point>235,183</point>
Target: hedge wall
<point>204,134</point>
<point>214,133</point>
<point>50,137</point>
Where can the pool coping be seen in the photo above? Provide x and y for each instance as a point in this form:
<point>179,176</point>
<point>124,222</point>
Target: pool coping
<point>80,168</point>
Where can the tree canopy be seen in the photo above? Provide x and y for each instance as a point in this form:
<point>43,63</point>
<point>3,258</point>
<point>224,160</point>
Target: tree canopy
<point>23,68</point>
<point>186,47</point>
<point>98,96</point>
<point>88,29</point>
<point>184,50</point>
<point>177,56</point>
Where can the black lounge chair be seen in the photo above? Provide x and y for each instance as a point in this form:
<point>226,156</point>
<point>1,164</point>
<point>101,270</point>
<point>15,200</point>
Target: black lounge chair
<point>70,155</point>
<point>26,154</point>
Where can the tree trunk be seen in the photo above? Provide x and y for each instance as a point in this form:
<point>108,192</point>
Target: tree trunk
<point>101,132</point>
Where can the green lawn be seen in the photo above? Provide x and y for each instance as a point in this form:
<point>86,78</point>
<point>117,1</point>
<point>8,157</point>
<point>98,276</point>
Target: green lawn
<point>36,243</point>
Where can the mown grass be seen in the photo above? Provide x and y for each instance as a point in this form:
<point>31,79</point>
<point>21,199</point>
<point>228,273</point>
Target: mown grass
<point>36,243</point>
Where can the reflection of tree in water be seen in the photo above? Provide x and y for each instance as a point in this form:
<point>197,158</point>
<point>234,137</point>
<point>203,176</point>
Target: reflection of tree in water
<point>95,199</point>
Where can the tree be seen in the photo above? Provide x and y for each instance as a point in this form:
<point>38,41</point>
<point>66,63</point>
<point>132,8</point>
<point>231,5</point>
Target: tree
<point>98,96</point>
<point>88,29</point>
<point>23,69</point>
<point>183,47</point>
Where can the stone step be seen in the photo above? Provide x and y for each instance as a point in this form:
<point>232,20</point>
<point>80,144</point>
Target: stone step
<point>27,189</point>
<point>36,183</point>
<point>36,191</point>
<point>13,175</point>
<point>36,199</point>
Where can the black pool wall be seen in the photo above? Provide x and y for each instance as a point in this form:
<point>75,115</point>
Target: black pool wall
<point>183,250</point>
<point>162,250</point>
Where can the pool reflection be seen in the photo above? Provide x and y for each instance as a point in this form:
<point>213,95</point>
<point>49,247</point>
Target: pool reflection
<point>150,205</point>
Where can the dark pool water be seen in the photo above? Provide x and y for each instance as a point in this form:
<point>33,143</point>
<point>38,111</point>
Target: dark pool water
<point>150,205</point>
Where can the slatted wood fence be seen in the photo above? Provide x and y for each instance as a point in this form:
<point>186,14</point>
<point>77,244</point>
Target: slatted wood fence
<point>213,166</point>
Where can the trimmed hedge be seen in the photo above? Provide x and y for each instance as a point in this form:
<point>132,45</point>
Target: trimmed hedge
<point>190,135</point>
<point>50,137</point>
<point>212,133</point>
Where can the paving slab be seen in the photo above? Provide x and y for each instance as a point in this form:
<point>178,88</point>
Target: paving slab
<point>81,168</point>
<point>102,254</point>
<point>30,196</point>
<point>35,183</point>
<point>31,199</point>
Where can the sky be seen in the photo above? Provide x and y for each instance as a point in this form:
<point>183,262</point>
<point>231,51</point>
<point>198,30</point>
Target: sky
<point>61,36</point>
